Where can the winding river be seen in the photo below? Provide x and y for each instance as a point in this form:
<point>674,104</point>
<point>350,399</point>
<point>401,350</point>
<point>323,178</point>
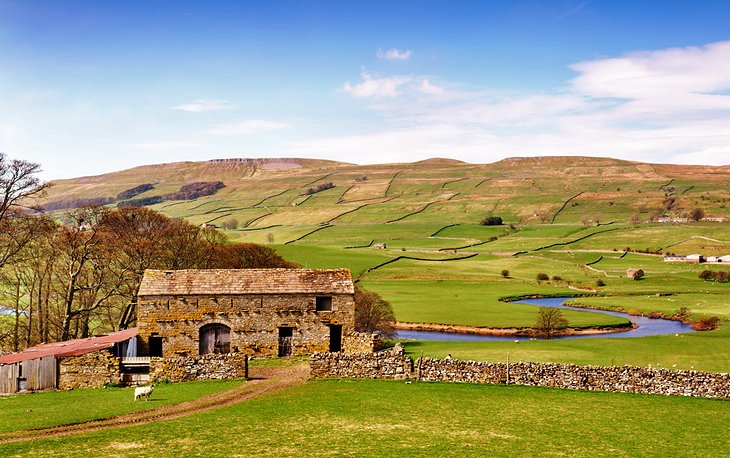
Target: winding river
<point>646,326</point>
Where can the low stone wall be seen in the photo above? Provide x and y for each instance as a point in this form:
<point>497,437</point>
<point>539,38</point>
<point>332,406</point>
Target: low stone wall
<point>362,342</point>
<point>382,365</point>
<point>624,379</point>
<point>205,367</point>
<point>92,370</point>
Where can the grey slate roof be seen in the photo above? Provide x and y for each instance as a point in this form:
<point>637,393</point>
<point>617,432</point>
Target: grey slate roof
<point>245,281</point>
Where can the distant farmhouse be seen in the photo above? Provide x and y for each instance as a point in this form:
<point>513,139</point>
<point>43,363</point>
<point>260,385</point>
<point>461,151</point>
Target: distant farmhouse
<point>698,259</point>
<point>202,324</point>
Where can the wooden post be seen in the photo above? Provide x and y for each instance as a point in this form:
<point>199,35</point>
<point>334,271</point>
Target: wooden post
<point>420,360</point>
<point>507,368</point>
<point>245,368</point>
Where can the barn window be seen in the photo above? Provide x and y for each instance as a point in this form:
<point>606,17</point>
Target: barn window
<point>324,303</point>
<point>215,338</point>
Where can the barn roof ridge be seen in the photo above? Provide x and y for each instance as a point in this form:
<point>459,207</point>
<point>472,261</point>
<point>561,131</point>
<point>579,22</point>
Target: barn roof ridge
<point>245,281</point>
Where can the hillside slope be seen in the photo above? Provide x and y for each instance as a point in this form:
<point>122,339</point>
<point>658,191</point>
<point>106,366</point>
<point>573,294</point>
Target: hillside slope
<point>266,192</point>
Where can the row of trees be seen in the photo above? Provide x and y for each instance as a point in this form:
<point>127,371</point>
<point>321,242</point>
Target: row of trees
<point>80,278</point>
<point>71,279</point>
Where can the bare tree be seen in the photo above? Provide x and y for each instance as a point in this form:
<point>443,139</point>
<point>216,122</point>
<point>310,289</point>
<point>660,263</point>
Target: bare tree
<point>549,321</point>
<point>87,281</point>
<point>18,184</point>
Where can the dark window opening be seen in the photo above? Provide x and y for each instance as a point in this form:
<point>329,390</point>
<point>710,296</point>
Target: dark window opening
<point>335,337</point>
<point>285,341</point>
<point>215,338</point>
<point>324,303</point>
<point>155,346</point>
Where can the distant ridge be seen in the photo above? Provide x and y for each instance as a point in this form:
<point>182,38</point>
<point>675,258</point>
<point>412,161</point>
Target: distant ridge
<point>262,192</point>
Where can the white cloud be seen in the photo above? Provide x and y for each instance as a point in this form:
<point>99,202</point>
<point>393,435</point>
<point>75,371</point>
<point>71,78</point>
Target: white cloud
<point>377,87</point>
<point>251,126</point>
<point>662,73</point>
<point>668,105</point>
<point>428,88</point>
<point>394,54</point>
<point>205,105</point>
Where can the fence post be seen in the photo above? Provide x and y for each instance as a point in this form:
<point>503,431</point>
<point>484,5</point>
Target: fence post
<point>507,368</point>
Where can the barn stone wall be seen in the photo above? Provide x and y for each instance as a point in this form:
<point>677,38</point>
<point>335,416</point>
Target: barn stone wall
<point>92,370</point>
<point>205,367</point>
<point>254,321</point>
<point>624,379</point>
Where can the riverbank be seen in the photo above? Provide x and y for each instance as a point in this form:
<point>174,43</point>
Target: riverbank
<point>507,332</point>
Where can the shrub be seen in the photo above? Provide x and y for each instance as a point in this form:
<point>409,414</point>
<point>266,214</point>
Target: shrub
<point>76,203</point>
<point>131,192</point>
<point>491,221</point>
<point>600,282</point>
<point>319,188</point>
<point>505,273</point>
<point>195,190</point>
<point>557,278</point>
<point>696,214</point>
<point>143,202</point>
<point>682,313</point>
<point>230,224</point>
<point>706,324</point>
<point>719,276</point>
<point>542,277</point>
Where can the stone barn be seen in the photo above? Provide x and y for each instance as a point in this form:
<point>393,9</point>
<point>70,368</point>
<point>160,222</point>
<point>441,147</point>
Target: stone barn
<point>254,312</point>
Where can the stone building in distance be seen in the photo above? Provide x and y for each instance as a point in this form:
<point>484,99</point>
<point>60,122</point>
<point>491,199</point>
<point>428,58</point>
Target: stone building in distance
<point>256,312</point>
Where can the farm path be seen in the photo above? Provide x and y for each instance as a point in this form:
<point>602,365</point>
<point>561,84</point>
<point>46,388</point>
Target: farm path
<point>261,380</point>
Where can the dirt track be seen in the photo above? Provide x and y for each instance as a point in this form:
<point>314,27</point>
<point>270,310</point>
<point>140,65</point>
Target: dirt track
<point>262,380</point>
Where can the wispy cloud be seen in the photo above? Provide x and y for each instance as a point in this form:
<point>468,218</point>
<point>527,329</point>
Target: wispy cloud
<point>166,145</point>
<point>377,87</point>
<point>205,105</point>
<point>669,105</point>
<point>393,86</point>
<point>251,126</point>
<point>394,54</point>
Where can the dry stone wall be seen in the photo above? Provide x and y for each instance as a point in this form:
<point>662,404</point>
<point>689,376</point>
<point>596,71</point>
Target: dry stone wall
<point>92,370</point>
<point>624,379</point>
<point>205,367</point>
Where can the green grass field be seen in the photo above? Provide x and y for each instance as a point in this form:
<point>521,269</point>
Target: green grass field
<point>38,410</point>
<point>706,351</point>
<point>382,418</point>
<point>568,218</point>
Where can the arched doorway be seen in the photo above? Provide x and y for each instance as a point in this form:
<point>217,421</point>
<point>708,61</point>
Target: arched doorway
<point>215,338</point>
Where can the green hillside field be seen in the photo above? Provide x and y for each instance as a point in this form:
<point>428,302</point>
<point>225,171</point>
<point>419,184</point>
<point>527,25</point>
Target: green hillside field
<point>411,232</point>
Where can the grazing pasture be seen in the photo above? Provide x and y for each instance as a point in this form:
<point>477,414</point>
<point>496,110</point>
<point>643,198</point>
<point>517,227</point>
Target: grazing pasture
<point>387,418</point>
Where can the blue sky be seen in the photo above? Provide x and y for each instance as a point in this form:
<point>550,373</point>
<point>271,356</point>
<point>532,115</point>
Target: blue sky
<point>88,87</point>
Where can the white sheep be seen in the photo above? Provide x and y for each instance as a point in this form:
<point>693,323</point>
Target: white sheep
<point>145,391</point>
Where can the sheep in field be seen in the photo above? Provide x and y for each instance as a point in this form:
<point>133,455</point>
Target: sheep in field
<point>145,391</point>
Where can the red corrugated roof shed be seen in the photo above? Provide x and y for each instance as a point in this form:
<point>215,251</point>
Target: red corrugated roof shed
<point>76,347</point>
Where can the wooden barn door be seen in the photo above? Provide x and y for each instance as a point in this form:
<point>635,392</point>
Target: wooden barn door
<point>40,373</point>
<point>285,341</point>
